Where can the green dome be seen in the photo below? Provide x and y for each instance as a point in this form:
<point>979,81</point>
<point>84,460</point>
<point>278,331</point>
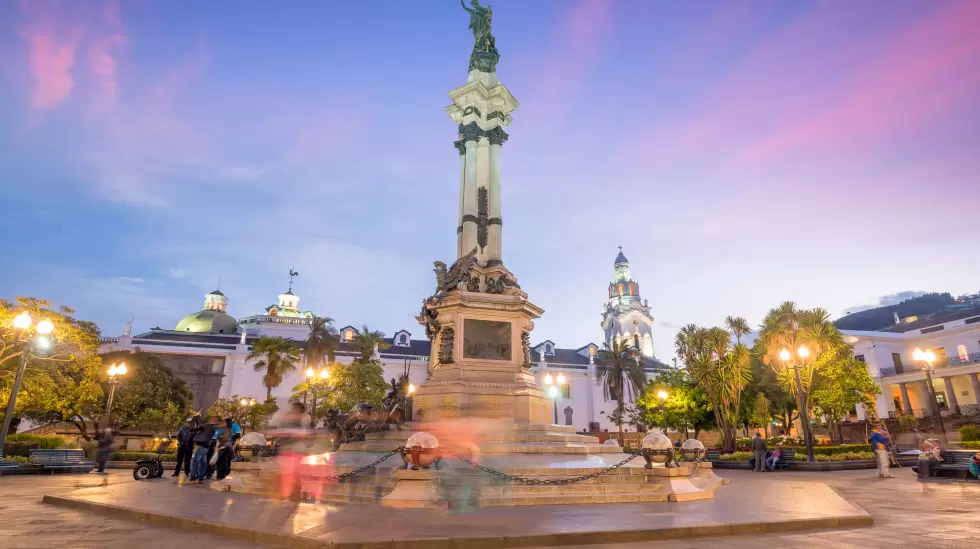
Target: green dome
<point>210,322</point>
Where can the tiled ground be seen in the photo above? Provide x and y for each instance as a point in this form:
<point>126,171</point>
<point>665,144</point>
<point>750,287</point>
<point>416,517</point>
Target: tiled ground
<point>907,514</point>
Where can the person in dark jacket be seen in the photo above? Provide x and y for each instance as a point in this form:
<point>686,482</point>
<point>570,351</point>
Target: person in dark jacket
<point>185,447</point>
<point>759,449</point>
<point>203,435</point>
<point>105,448</point>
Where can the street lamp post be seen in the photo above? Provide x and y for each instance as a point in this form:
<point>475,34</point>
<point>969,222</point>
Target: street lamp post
<point>22,323</point>
<point>310,373</point>
<point>321,378</point>
<point>663,407</point>
<point>115,371</point>
<point>786,357</point>
<point>553,390</point>
<point>927,357</point>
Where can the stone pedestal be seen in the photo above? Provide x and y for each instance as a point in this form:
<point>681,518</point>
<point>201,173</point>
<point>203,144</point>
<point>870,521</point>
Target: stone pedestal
<point>413,490</point>
<point>478,367</point>
<point>687,482</point>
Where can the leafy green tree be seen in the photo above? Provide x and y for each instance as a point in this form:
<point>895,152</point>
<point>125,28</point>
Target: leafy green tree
<point>150,396</point>
<point>842,383</point>
<point>687,404</point>
<point>252,417</point>
<point>760,413</point>
<point>278,357</point>
<point>321,343</point>
<point>354,383</point>
<point>618,369</point>
<point>723,370</point>
<point>62,384</point>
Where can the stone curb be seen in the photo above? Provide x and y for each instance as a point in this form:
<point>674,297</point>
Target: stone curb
<point>294,541</point>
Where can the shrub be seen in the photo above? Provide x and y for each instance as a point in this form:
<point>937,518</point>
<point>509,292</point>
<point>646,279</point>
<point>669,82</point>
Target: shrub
<point>43,442</point>
<point>16,459</point>
<point>843,456</point>
<point>736,456</point>
<point>127,455</point>
<point>20,448</point>
<point>971,445</point>
<point>970,433</point>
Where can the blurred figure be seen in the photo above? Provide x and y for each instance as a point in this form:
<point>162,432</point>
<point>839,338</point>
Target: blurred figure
<point>975,465</point>
<point>203,436</point>
<point>185,447</point>
<point>105,448</point>
<point>292,436</point>
<point>223,453</point>
<point>879,444</point>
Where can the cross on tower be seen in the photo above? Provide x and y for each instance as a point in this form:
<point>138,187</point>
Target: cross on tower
<point>620,249</point>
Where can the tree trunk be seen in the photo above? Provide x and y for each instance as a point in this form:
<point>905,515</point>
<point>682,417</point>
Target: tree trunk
<point>620,422</point>
<point>840,430</point>
<point>268,394</point>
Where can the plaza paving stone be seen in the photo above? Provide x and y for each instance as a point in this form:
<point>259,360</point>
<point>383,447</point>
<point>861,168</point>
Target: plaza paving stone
<point>907,514</point>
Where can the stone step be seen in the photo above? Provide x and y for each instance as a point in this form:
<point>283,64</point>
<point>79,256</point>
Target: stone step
<point>500,447</point>
<point>571,499</point>
<point>400,437</point>
<point>577,488</point>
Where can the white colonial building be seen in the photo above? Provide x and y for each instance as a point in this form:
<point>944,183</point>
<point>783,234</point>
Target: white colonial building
<point>954,337</point>
<point>209,350</point>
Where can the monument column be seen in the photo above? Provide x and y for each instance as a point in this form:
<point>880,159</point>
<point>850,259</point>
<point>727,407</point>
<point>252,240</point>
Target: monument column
<point>906,401</point>
<point>469,135</point>
<point>954,406</point>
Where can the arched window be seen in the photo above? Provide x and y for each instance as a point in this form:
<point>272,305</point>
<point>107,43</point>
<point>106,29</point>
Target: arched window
<point>636,340</point>
<point>403,339</point>
<point>274,312</point>
<point>349,335</point>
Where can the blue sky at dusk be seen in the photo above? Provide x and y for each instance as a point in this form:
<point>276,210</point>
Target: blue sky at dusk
<point>742,153</point>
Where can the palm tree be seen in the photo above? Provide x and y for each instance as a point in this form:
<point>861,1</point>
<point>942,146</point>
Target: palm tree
<point>322,341</point>
<point>368,341</point>
<point>618,369</point>
<point>278,358</point>
<point>721,369</point>
<point>787,327</point>
<point>737,326</point>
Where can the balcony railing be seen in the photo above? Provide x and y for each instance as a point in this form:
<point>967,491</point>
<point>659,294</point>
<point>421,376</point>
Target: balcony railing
<point>104,340</point>
<point>971,358</point>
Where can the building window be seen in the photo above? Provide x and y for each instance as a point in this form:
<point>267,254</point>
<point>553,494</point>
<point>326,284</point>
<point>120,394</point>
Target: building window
<point>548,349</point>
<point>349,335</point>
<point>566,391</point>
<point>859,358</point>
<point>636,341</point>
<point>897,361</point>
<point>961,350</point>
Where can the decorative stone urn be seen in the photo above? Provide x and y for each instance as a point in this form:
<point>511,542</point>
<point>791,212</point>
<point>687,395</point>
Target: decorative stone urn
<point>692,450</point>
<point>657,448</point>
<point>421,451</point>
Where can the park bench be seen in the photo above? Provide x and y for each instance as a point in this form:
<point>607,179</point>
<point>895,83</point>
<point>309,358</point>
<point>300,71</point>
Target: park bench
<point>712,455</point>
<point>61,460</point>
<point>786,458</point>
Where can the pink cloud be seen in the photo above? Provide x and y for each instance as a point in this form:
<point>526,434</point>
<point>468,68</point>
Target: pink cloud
<point>916,73</point>
<point>103,50</point>
<point>52,47</point>
<point>57,33</point>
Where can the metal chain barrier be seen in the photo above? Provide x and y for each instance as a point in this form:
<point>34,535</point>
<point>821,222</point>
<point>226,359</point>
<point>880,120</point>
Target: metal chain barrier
<point>527,480</point>
<point>360,470</point>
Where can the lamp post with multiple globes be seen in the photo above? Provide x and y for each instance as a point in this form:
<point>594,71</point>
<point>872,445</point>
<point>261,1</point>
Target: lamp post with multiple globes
<point>927,358</point>
<point>803,354</point>
<point>115,371</point>
<point>22,323</point>
<point>553,390</point>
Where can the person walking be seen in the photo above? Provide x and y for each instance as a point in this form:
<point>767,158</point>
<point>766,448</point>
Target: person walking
<point>879,444</point>
<point>203,435</point>
<point>185,447</point>
<point>105,448</point>
<point>759,448</point>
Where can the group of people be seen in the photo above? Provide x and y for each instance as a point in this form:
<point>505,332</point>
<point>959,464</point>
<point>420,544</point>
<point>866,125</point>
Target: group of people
<point>206,449</point>
<point>763,459</point>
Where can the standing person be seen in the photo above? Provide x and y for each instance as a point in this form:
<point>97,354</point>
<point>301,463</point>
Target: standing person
<point>185,447</point>
<point>219,427</point>
<point>203,435</point>
<point>105,447</point>
<point>292,434</point>
<point>759,448</point>
<point>222,455</point>
<point>879,444</point>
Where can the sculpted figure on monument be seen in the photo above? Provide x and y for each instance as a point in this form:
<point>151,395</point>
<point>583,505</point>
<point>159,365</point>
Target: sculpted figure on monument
<point>446,342</point>
<point>504,284</point>
<point>485,55</point>
<point>526,345</point>
<point>455,278</point>
<point>428,318</point>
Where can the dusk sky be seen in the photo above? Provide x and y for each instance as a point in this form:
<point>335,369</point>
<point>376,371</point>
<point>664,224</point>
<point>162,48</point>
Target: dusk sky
<point>742,153</point>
